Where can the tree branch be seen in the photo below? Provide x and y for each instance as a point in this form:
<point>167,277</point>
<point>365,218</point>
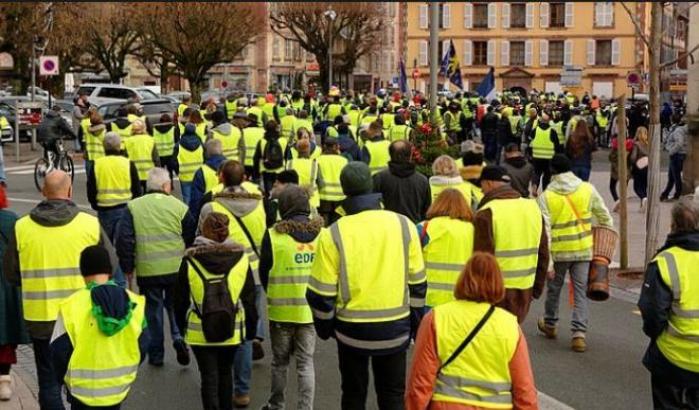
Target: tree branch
<point>688,54</point>
<point>639,32</point>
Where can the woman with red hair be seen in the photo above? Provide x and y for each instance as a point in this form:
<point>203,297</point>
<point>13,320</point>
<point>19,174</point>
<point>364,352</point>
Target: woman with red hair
<point>12,331</point>
<point>470,354</point>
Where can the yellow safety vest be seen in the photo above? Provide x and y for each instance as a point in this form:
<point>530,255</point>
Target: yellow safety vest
<point>113,180</point>
<point>399,132</point>
<point>4,123</point>
<point>558,127</point>
<point>181,108</point>
<point>236,280</point>
<point>263,143</point>
<point>454,124</point>
<point>94,143</point>
<point>288,278</point>
<point>124,133</point>
<point>140,151</point>
<point>388,120</point>
<point>465,187</point>
<point>101,376</point>
<point>303,123</point>
<point>201,130</point>
<point>256,223</point>
<point>571,221</point>
<point>229,142</point>
<point>268,109</point>
<point>331,167</point>
<point>378,155</point>
<point>157,222</point>
<point>542,146</point>
<point>307,170</point>
<point>134,117</point>
<point>679,342</point>
<point>210,177</point>
<point>368,118</point>
<point>514,123</point>
<point>231,108</point>
<point>85,124</point>
<point>189,162</point>
<point>517,226</point>
<point>315,153</point>
<point>333,111</point>
<point>449,248</point>
<point>287,127</point>
<point>480,375</point>
<point>601,119</point>
<point>49,260</point>
<point>258,112</point>
<point>354,117</point>
<point>164,141</point>
<point>251,136</point>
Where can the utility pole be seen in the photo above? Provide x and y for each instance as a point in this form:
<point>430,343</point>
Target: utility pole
<point>623,183</point>
<point>331,15</point>
<point>434,54</point>
<point>691,174</point>
<point>653,210</point>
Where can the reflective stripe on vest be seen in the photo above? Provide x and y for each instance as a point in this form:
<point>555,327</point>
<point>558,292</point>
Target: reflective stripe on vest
<point>229,142</point>
<point>231,108</point>
<point>288,278</point>
<point>251,136</point>
<point>140,151</point>
<point>94,143</point>
<point>189,162</point>
<point>446,254</point>
<point>378,155</point>
<point>49,260</point>
<point>236,279</point>
<point>399,132</point>
<point>157,221</point>
<point>542,146</point>
<point>469,379</point>
<point>255,222</point>
<point>568,233</point>
<point>679,343</point>
<point>331,167</point>
<point>164,141</point>
<point>113,180</point>
<point>517,227</point>
<point>94,378</point>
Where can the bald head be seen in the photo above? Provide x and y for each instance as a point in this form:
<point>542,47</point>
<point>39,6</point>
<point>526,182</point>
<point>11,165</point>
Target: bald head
<point>400,151</point>
<point>57,185</point>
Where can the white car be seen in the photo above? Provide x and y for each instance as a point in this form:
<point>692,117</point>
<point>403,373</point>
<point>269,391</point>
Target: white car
<point>99,94</point>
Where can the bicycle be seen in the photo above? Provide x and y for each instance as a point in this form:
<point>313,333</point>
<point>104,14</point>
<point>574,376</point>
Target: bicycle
<point>52,161</point>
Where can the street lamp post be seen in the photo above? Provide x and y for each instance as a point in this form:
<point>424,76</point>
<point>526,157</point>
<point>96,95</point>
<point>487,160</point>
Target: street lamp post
<point>331,15</point>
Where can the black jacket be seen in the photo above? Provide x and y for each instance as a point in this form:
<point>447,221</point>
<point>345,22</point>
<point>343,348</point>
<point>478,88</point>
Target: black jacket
<point>53,127</point>
<point>655,304</point>
<point>489,125</point>
<point>92,188</point>
<point>505,135</point>
<point>404,190</point>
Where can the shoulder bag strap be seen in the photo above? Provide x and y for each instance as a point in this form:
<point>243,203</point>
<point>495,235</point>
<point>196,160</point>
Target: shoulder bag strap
<point>247,233</point>
<point>575,210</point>
<point>469,338</point>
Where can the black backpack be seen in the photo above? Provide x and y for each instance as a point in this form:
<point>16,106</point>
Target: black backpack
<point>273,155</point>
<point>217,311</point>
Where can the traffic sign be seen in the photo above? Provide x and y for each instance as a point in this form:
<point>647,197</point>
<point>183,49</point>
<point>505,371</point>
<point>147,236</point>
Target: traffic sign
<point>224,84</point>
<point>634,80</point>
<point>571,76</point>
<point>48,65</point>
<point>416,73</point>
<point>30,113</point>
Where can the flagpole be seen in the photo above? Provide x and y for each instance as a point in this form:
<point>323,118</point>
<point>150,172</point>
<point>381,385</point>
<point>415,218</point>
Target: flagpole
<point>434,54</point>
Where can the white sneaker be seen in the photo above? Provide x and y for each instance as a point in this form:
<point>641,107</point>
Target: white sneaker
<point>5,387</point>
<point>644,203</point>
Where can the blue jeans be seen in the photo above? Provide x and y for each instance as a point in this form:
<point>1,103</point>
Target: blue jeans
<point>261,310</point>
<point>674,176</point>
<point>49,386</point>
<point>159,298</point>
<point>186,188</point>
<point>109,219</point>
<point>581,171</point>
<point>242,368</point>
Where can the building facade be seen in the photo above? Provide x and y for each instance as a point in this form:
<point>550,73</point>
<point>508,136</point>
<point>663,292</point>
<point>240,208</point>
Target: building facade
<point>529,43</point>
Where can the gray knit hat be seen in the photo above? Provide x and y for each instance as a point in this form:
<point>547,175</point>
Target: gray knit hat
<point>356,179</point>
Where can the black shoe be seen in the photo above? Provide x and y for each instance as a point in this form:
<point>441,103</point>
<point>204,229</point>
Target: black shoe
<point>258,352</point>
<point>663,198</point>
<point>182,352</point>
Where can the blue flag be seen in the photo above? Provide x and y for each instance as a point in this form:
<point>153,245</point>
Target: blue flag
<point>451,66</point>
<point>486,88</point>
<point>403,78</point>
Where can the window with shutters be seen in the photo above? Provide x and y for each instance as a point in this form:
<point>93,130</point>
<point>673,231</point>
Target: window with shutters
<point>604,14</point>
<point>557,14</point>
<point>556,50</point>
<point>276,48</point>
<point>603,52</point>
<point>516,53</point>
<point>480,15</point>
<point>422,53</point>
<point>518,15</point>
<point>288,50</point>
<point>480,53</point>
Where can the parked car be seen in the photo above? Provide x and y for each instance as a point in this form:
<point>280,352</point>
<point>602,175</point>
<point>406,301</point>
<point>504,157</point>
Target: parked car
<point>176,96</point>
<point>99,94</point>
<point>153,109</point>
<point>7,110</point>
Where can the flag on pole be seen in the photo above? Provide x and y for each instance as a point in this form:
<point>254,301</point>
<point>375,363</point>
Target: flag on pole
<point>451,66</point>
<point>403,78</point>
<point>486,88</point>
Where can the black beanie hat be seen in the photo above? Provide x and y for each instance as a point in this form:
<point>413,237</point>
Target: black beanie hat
<point>218,117</point>
<point>494,173</point>
<point>95,260</point>
<point>560,164</point>
<point>355,179</point>
<point>288,176</point>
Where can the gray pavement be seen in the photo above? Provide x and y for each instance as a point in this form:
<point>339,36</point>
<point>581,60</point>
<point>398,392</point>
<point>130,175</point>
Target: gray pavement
<point>608,376</point>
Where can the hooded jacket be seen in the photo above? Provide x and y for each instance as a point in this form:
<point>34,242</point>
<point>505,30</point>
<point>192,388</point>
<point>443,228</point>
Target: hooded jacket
<point>218,259</point>
<point>190,141</point>
<point>225,128</point>
<point>199,184</point>
<point>51,212</point>
<point>112,317</point>
<point>655,305</point>
<point>565,184</point>
<point>404,190</point>
<point>521,173</point>
<point>53,127</point>
<point>516,301</point>
<point>236,200</point>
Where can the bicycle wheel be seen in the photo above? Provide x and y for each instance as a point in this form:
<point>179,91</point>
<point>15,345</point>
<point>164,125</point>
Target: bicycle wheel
<point>65,164</point>
<point>41,168</point>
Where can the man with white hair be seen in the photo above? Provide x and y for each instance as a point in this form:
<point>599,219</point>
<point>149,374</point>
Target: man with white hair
<point>111,186</point>
<point>150,241</point>
<point>141,150</point>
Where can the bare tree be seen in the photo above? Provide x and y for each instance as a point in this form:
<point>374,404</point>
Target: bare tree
<point>197,36</point>
<point>355,31</point>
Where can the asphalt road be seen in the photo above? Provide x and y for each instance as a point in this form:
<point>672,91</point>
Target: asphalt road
<point>608,376</point>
